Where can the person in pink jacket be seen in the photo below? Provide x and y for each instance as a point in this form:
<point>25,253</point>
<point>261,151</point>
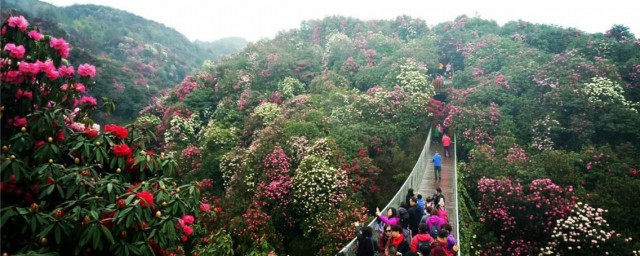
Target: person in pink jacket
<point>434,220</point>
<point>391,218</point>
<point>446,143</point>
<point>442,212</point>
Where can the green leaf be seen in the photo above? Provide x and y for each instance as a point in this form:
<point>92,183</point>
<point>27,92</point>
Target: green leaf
<point>124,212</point>
<point>109,188</point>
<point>107,234</point>
<point>6,214</point>
<point>46,231</point>
<point>57,234</point>
<point>96,237</point>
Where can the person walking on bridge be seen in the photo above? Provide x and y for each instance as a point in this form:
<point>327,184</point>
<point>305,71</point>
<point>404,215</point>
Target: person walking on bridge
<point>437,166</point>
<point>446,143</point>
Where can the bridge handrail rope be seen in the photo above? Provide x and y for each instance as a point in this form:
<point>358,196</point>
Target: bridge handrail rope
<point>455,189</point>
<point>413,181</point>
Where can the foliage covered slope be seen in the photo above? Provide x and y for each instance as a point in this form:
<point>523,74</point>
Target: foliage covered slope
<point>137,57</point>
<point>345,100</point>
<point>298,137</point>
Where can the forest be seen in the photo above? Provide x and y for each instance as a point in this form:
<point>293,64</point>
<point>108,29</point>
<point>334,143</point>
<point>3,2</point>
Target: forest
<point>279,148</point>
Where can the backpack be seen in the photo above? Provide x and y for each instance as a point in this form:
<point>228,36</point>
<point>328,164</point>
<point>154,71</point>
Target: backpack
<point>404,217</point>
<point>426,243</point>
<point>434,231</point>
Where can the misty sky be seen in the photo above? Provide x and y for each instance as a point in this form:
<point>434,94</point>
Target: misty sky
<point>256,19</point>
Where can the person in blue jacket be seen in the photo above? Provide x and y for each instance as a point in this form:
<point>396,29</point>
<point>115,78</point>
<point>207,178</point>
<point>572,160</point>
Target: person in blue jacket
<point>437,166</point>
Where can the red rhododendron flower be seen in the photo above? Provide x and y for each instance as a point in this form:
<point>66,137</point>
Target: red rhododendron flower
<point>19,121</point>
<point>146,199</point>
<point>118,131</point>
<point>121,203</point>
<point>129,164</point>
<point>60,136</point>
<point>107,219</point>
<point>188,230</point>
<point>38,144</point>
<point>91,133</point>
<point>133,185</point>
<point>122,150</point>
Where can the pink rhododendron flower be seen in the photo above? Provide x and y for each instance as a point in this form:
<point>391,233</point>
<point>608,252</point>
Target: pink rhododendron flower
<point>64,87</point>
<point>8,47</point>
<point>15,51</point>
<point>79,87</point>
<point>86,70</point>
<point>188,219</point>
<point>60,45</point>
<point>30,69</point>
<point>205,207</point>
<point>187,230</point>
<point>18,22</point>
<point>49,69</point>
<point>78,127</point>
<point>66,71</point>
<point>35,35</point>
<point>88,100</point>
<point>26,94</point>
<point>12,77</point>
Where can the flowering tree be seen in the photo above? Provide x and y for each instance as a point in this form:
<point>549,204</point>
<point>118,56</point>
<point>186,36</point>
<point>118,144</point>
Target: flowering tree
<point>521,218</point>
<point>586,232</point>
<point>317,183</point>
<point>68,186</point>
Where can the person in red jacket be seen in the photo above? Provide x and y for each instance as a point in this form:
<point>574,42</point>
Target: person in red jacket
<point>446,143</point>
<point>422,238</point>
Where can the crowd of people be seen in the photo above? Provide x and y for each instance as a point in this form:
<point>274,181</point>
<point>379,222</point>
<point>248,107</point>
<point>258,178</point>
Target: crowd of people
<point>417,226</point>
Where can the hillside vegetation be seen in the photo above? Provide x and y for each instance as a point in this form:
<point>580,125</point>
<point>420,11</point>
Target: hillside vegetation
<point>137,58</point>
<point>338,108</point>
<point>293,139</point>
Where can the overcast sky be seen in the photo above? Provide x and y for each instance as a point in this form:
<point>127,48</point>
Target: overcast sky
<point>256,19</point>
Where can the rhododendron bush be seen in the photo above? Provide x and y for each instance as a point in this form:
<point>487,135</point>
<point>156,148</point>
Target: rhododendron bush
<point>518,214</point>
<point>69,185</point>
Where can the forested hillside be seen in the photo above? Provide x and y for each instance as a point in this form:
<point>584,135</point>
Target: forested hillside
<point>338,108</point>
<point>295,138</point>
<point>137,58</point>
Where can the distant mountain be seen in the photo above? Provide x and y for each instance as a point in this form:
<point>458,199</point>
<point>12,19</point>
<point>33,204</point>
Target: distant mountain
<point>136,58</point>
<point>224,46</point>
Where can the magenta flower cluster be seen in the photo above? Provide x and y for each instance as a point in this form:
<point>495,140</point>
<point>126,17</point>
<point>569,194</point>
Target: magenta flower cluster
<point>277,185</point>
